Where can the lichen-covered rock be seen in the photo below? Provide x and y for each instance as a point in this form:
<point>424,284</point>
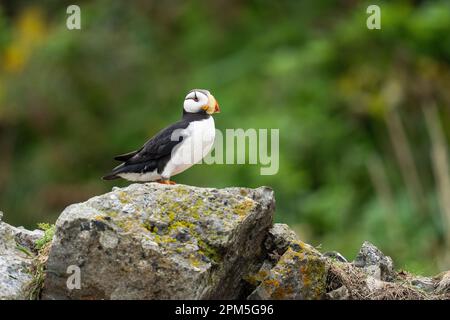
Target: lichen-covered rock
<point>16,258</point>
<point>443,286</point>
<point>151,241</point>
<point>279,238</point>
<point>375,263</point>
<point>299,273</point>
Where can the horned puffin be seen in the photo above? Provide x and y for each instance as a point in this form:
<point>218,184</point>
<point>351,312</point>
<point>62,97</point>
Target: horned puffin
<point>176,147</point>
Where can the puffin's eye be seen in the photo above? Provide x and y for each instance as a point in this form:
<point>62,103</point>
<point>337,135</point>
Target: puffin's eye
<point>196,99</point>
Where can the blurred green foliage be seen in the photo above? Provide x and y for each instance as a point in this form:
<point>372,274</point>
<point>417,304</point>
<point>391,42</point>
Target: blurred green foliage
<point>356,152</point>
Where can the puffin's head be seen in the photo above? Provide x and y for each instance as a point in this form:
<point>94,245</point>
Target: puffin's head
<point>199,100</point>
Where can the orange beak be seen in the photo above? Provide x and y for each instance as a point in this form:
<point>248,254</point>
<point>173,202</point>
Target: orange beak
<point>212,106</point>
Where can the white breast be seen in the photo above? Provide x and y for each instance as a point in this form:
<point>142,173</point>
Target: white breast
<point>197,142</point>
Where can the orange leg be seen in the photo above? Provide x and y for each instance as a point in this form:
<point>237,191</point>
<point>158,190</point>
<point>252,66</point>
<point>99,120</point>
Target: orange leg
<point>166,182</point>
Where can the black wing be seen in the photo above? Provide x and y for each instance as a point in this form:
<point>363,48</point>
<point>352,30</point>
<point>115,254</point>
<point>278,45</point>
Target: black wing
<point>159,146</point>
<point>126,156</point>
<point>147,158</point>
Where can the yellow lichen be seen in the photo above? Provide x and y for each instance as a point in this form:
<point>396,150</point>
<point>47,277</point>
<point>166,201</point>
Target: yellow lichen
<point>99,217</point>
<point>148,226</point>
<point>112,214</point>
<point>281,293</point>
<point>271,283</point>
<point>168,239</point>
<point>256,278</point>
<point>244,207</point>
<point>123,197</point>
<point>193,260</point>
<point>209,251</point>
<point>128,225</point>
<point>180,224</point>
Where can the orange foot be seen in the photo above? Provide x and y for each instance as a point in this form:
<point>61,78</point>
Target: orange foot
<point>166,182</point>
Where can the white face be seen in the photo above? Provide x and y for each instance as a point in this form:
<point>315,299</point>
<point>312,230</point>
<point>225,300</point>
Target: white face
<point>195,100</point>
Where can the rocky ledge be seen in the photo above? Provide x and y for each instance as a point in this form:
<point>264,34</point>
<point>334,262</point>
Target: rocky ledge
<point>151,241</point>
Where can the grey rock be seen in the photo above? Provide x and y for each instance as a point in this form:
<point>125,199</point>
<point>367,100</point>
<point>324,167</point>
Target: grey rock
<point>279,238</point>
<point>443,286</point>
<point>340,293</point>
<point>335,255</point>
<point>152,241</point>
<point>375,263</point>
<point>374,283</point>
<point>26,237</point>
<point>300,273</point>
<point>16,258</point>
<point>423,283</point>
<point>23,236</point>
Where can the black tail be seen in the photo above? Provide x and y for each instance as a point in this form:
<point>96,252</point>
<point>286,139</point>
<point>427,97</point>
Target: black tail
<point>111,176</point>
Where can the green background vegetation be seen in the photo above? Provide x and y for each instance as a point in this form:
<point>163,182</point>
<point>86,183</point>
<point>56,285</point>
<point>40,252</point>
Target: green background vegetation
<point>363,114</point>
